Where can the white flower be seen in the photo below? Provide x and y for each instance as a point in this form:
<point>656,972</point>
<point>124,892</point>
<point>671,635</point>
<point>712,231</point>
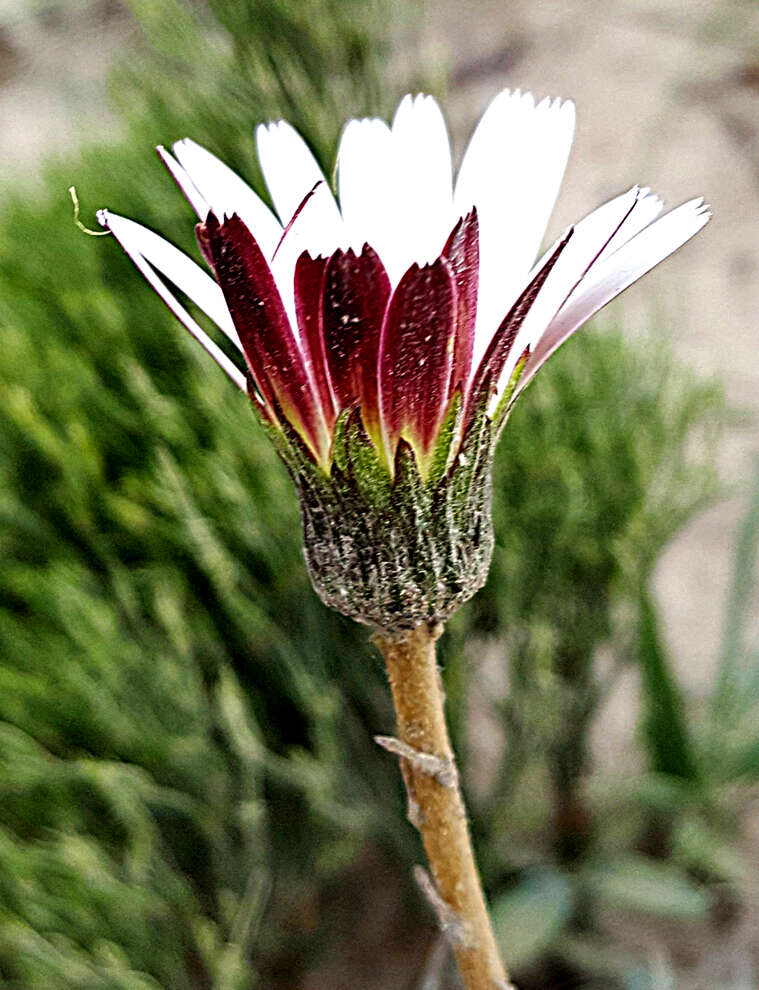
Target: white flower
<point>396,193</point>
<point>388,332</point>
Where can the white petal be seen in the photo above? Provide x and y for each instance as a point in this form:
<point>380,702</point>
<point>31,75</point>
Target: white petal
<point>511,171</point>
<point>291,172</point>
<point>649,206</point>
<point>301,234</point>
<point>587,243</point>
<point>193,195</point>
<point>226,193</point>
<point>182,271</point>
<point>422,156</point>
<point>614,274</point>
<point>369,195</point>
<point>395,185</point>
<point>125,233</point>
<point>647,209</point>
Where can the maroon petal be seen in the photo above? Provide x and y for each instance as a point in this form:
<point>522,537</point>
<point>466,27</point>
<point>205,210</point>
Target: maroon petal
<point>463,253</point>
<point>273,356</point>
<point>295,216</point>
<point>356,292</point>
<point>309,290</point>
<point>495,357</point>
<point>204,243</point>
<point>415,356</point>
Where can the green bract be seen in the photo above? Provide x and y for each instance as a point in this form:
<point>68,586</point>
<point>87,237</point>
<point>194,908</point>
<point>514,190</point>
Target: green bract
<point>395,551</point>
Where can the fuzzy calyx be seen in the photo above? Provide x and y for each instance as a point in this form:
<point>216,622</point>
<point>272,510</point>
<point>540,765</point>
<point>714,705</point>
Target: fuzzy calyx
<point>393,552</point>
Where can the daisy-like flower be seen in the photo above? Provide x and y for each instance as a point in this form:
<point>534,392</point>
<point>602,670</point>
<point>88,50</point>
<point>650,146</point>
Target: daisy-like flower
<point>385,332</point>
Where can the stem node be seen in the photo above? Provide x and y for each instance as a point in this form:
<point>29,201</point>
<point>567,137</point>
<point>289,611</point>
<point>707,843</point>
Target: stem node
<point>441,769</point>
<point>450,924</point>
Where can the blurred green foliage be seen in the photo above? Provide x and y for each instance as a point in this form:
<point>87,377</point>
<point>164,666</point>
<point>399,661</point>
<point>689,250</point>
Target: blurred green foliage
<point>612,451</point>
<point>186,753</point>
<point>176,747</point>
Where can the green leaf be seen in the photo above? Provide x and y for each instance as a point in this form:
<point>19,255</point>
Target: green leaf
<point>739,608</point>
<point>527,918</point>
<point>647,886</point>
<point>664,723</point>
<point>745,764</point>
<point>700,847</point>
<point>734,736</point>
<point>594,955</point>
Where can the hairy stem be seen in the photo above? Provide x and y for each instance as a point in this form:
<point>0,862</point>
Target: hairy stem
<point>436,807</point>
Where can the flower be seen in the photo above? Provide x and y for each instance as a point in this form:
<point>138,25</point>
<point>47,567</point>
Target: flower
<point>387,338</point>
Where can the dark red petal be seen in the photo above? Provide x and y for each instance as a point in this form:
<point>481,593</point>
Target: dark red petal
<point>495,357</point>
<point>295,216</point>
<point>204,243</point>
<point>463,253</point>
<point>356,292</point>
<point>415,354</point>
<point>309,289</point>
<point>270,349</point>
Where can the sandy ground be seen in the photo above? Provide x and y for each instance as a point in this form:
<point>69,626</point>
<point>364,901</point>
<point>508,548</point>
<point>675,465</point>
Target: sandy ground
<point>53,62</point>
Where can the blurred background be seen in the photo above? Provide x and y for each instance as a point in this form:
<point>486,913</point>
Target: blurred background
<point>189,793</point>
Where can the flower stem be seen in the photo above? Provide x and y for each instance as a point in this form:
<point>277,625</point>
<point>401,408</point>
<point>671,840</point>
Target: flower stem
<point>436,807</point>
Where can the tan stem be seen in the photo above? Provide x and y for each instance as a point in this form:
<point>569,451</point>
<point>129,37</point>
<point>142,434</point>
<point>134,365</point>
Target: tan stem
<point>437,808</point>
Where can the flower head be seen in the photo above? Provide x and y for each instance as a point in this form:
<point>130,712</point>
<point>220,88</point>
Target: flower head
<point>387,332</point>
